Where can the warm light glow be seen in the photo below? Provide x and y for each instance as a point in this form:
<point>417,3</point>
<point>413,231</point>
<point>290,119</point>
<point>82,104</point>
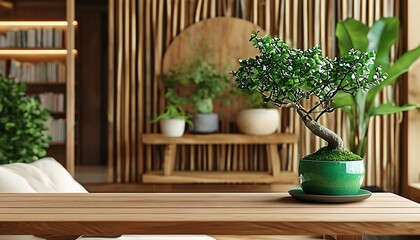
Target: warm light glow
<point>38,24</point>
<point>15,52</point>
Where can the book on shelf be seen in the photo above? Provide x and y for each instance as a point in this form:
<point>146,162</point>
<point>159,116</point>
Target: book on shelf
<point>32,38</point>
<point>57,130</point>
<point>53,102</point>
<point>29,72</point>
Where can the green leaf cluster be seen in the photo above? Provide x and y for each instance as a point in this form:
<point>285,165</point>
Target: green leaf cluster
<point>196,81</point>
<point>287,75</point>
<point>23,129</point>
<point>362,106</point>
<point>174,111</point>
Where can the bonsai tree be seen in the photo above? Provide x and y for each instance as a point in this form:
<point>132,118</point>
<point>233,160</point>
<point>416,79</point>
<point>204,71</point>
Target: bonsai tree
<point>23,129</point>
<point>361,106</point>
<point>287,77</point>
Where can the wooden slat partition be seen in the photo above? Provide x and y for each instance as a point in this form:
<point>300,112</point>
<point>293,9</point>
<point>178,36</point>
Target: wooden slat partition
<point>300,23</point>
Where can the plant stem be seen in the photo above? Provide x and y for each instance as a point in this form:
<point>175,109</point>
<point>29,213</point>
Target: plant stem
<point>334,140</point>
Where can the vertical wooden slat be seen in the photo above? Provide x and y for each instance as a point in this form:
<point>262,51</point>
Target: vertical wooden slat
<point>204,13</point>
<point>182,16</point>
<point>281,20</point>
<point>287,27</point>
<point>295,24</point>
<point>140,89</point>
<point>213,9</point>
<point>118,92</point>
<point>126,91</point>
<point>305,25</point>
<point>111,88</point>
<point>255,11</point>
<point>356,9</point>
<point>364,11</point>
<point>175,19</point>
<point>133,49</point>
<point>70,87</point>
<point>267,17</point>
<point>371,15</point>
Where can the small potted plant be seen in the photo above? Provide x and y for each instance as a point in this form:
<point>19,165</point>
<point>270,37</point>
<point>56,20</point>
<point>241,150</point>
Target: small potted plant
<point>23,128</point>
<point>288,77</point>
<point>172,122</point>
<point>199,82</point>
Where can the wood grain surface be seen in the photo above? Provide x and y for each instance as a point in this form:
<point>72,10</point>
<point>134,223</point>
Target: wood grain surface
<point>204,213</point>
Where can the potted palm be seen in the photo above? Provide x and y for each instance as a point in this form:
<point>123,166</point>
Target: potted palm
<point>288,77</point>
<point>199,83</point>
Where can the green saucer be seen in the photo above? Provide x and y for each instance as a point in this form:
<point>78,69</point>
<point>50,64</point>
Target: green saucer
<point>298,194</point>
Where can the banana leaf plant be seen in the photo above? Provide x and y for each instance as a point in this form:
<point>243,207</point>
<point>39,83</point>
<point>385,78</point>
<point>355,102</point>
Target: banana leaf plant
<point>364,105</point>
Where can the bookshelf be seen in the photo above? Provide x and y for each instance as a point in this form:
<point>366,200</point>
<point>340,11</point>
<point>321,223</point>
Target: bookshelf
<point>42,54</point>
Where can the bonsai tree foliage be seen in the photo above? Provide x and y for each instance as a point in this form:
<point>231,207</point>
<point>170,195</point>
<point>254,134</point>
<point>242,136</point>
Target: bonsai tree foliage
<point>287,77</point>
<point>22,124</point>
<point>362,106</point>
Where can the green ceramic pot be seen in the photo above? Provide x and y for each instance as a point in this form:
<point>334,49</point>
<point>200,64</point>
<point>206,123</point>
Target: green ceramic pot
<point>331,177</point>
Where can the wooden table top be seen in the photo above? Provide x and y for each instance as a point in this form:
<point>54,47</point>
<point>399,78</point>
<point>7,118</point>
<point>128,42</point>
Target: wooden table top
<point>204,213</point>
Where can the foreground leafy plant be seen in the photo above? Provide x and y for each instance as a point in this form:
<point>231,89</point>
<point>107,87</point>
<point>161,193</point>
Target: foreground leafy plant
<point>287,77</point>
<point>22,124</point>
<point>362,105</point>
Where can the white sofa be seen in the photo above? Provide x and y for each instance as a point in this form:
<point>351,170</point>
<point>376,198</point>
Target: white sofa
<point>48,176</point>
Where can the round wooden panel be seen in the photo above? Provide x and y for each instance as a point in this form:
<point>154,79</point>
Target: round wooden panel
<point>228,41</point>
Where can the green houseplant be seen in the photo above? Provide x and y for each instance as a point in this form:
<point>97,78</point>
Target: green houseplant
<point>23,129</point>
<point>172,122</point>
<point>198,82</point>
<point>287,77</point>
<point>362,106</point>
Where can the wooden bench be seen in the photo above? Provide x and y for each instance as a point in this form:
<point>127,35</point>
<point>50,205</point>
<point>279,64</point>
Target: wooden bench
<point>169,175</point>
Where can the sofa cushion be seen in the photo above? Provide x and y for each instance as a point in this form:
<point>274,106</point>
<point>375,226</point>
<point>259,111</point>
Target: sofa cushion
<point>45,175</point>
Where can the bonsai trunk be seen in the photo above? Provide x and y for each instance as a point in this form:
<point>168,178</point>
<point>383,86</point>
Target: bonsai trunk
<point>333,139</point>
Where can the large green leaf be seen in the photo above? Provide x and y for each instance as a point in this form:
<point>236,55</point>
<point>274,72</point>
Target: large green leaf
<point>382,35</point>
<point>400,67</point>
<point>389,108</point>
<point>343,99</point>
<point>351,34</point>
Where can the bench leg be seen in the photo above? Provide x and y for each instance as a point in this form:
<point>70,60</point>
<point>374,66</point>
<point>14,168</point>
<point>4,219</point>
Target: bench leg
<point>274,159</point>
<point>169,159</point>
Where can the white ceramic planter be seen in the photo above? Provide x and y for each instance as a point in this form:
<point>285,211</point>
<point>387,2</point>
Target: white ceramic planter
<point>258,121</point>
<point>172,127</point>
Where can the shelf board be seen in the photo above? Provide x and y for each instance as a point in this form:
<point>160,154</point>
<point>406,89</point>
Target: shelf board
<point>220,177</point>
<point>41,87</point>
<point>58,114</point>
<point>30,54</point>
<point>8,25</point>
<point>221,138</point>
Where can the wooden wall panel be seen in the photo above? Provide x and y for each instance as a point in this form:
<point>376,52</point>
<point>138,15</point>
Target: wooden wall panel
<point>301,23</point>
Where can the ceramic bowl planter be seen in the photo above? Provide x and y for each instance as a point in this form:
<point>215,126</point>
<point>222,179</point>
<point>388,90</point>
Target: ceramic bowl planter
<point>331,177</point>
<point>172,127</point>
<point>258,121</point>
<point>205,123</point>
